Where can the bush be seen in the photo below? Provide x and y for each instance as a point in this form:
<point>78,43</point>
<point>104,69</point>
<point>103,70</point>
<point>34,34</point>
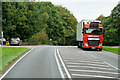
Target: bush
<point>54,42</point>
<point>39,38</point>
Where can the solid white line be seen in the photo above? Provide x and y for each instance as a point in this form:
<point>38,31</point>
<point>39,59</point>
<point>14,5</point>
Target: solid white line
<point>91,67</point>
<point>59,67</point>
<point>93,71</point>
<point>69,63</point>
<point>15,64</point>
<point>92,76</point>
<point>68,74</point>
<point>107,63</point>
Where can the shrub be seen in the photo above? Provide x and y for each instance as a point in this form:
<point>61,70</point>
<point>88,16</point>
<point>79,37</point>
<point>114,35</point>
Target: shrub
<point>39,38</point>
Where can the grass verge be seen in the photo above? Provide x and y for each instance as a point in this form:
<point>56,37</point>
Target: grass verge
<point>10,54</point>
<point>112,49</point>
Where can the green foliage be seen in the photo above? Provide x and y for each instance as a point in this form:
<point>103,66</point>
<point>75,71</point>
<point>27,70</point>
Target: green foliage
<point>24,20</point>
<point>101,17</point>
<point>111,25</point>
<point>39,38</point>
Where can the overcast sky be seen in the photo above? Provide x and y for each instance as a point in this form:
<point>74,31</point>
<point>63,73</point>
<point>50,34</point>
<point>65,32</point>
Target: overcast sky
<point>87,9</point>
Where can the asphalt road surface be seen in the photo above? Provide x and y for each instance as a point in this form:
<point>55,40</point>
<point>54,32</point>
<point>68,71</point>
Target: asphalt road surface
<point>40,63</point>
<point>66,62</point>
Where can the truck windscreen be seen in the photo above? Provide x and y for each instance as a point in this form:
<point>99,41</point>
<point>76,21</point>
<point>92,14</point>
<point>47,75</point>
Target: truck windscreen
<point>95,31</point>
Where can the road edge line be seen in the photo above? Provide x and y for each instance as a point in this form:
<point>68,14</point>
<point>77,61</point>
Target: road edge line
<point>14,64</point>
<point>68,74</point>
<point>58,64</point>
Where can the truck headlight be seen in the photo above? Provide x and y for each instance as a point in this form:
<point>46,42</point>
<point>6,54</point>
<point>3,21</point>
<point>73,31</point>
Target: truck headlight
<point>100,45</point>
<point>86,44</point>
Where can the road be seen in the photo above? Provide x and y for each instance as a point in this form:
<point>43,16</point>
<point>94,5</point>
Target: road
<point>39,63</point>
<point>66,62</point>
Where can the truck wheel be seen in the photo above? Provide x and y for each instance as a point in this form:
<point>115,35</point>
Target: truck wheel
<point>100,49</point>
<point>78,44</point>
<point>81,45</point>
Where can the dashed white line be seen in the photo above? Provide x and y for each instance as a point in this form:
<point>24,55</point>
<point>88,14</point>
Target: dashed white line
<point>15,64</point>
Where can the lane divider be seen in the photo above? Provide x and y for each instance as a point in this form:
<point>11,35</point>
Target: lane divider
<point>15,64</point>
<point>66,70</point>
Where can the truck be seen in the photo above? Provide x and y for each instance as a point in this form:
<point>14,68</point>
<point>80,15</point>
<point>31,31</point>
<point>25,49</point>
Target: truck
<point>90,34</point>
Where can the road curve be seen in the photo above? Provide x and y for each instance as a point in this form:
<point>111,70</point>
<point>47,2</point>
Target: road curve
<point>39,63</point>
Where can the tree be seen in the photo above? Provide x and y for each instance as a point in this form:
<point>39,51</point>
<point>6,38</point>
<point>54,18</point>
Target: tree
<point>111,25</point>
<point>24,20</point>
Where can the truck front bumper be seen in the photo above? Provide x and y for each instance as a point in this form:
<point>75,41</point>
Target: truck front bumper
<point>85,45</point>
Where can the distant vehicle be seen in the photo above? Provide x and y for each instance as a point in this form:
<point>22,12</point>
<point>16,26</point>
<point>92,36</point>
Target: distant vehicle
<point>4,41</point>
<point>16,41</point>
<point>89,34</point>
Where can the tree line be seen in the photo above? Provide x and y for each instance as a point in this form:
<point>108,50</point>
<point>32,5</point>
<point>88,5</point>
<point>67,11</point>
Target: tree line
<point>111,26</point>
<point>37,22</point>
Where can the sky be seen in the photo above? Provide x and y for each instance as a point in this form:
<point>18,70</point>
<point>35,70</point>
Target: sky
<point>87,9</point>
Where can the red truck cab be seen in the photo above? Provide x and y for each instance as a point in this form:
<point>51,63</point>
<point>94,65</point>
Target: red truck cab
<point>89,34</point>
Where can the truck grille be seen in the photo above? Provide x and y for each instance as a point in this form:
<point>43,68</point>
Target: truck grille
<point>93,42</point>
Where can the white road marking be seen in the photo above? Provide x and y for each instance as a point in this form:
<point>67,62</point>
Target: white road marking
<point>92,76</point>
<point>112,66</point>
<point>82,60</point>
<point>70,63</point>
<point>92,71</point>
<point>68,74</point>
<point>91,67</point>
<point>85,62</point>
<point>14,64</point>
<point>107,63</point>
<point>59,67</point>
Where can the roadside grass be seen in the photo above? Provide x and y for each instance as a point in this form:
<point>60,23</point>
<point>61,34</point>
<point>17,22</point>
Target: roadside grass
<point>112,49</point>
<point>10,54</point>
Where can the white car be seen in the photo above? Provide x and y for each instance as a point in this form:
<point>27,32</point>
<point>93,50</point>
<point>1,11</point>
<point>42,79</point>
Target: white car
<point>15,41</point>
